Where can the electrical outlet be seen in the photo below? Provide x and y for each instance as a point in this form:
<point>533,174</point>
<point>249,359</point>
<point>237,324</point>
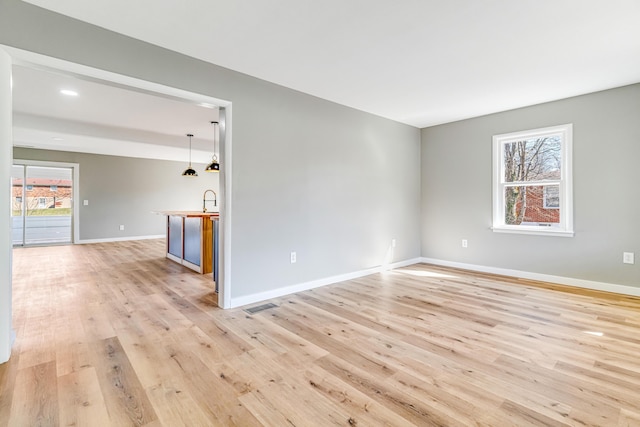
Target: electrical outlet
<point>464,243</point>
<point>122,228</point>
<point>393,243</point>
<point>294,257</point>
<point>628,258</point>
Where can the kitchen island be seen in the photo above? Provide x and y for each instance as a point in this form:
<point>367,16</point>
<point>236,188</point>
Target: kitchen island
<point>190,238</point>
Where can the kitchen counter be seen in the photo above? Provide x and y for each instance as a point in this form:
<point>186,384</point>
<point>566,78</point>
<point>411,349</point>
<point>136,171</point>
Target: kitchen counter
<point>188,214</point>
<point>190,238</point>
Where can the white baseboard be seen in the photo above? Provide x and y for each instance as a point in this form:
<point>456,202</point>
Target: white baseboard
<point>287,290</point>
<point>119,239</point>
<point>569,281</point>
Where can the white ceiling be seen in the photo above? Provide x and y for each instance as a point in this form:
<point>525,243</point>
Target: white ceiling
<point>420,62</point>
<point>106,119</point>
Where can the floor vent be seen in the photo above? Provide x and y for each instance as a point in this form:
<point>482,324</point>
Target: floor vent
<point>256,309</point>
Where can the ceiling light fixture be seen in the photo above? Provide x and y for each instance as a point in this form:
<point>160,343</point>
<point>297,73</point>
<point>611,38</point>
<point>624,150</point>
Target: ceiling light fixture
<point>68,92</point>
<point>214,166</point>
<point>189,171</point>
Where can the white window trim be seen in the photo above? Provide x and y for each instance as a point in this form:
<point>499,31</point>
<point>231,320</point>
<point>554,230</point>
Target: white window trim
<point>566,183</point>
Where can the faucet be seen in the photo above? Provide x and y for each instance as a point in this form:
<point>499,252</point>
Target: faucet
<point>204,200</point>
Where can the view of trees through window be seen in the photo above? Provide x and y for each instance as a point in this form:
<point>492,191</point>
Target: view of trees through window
<point>532,171</point>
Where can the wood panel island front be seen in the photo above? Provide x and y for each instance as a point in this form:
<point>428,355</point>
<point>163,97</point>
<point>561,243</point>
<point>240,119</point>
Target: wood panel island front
<point>190,238</point>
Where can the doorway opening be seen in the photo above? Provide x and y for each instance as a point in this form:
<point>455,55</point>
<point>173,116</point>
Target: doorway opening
<point>42,203</point>
<point>35,61</point>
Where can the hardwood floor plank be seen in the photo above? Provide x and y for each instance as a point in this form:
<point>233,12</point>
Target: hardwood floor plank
<point>628,418</point>
<point>35,400</point>
<point>37,335</point>
<point>295,404</point>
<point>148,357</point>
<point>578,394</point>
<point>80,399</point>
<point>126,400</point>
<point>8,374</point>
<point>355,315</point>
<point>522,416</point>
<point>176,407</point>
<point>404,405</point>
<point>265,412</point>
<point>430,393</point>
<point>362,409</point>
<point>115,334</point>
<point>296,323</point>
<point>71,348</point>
<point>598,379</point>
<point>218,396</point>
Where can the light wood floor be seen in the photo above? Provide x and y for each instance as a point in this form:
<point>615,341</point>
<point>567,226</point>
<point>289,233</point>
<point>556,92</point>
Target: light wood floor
<point>114,334</point>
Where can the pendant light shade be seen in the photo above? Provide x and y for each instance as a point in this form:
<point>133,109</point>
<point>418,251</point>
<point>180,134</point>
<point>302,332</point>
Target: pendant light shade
<point>189,171</point>
<point>214,166</point>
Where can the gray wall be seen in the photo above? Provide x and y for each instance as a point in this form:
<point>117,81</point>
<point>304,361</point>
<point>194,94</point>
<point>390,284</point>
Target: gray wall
<point>331,183</point>
<point>456,190</point>
<point>125,190</point>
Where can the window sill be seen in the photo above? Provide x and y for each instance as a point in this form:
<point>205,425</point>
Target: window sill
<point>533,231</point>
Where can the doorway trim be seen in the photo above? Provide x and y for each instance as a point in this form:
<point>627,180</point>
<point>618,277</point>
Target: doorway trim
<point>75,167</point>
<point>43,62</point>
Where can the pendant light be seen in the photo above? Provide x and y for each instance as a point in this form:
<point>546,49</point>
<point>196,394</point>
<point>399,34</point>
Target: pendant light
<point>189,171</point>
<point>214,166</point>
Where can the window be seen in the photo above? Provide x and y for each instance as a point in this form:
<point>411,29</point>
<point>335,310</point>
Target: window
<point>42,202</point>
<point>532,188</point>
<point>29,187</point>
<point>53,188</point>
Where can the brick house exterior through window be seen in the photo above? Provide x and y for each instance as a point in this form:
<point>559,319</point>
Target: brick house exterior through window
<point>41,193</point>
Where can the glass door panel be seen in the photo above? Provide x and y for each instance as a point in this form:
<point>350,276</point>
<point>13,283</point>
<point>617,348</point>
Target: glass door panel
<point>17,204</point>
<point>42,204</point>
<point>48,205</point>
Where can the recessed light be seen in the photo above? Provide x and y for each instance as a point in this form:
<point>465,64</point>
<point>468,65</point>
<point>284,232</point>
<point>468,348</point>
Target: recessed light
<point>68,92</point>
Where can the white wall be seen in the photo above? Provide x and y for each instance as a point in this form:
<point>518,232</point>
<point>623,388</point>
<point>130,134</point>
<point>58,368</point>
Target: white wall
<point>5,206</point>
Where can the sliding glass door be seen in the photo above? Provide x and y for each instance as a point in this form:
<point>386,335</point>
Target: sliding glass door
<point>17,204</point>
<point>41,205</point>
